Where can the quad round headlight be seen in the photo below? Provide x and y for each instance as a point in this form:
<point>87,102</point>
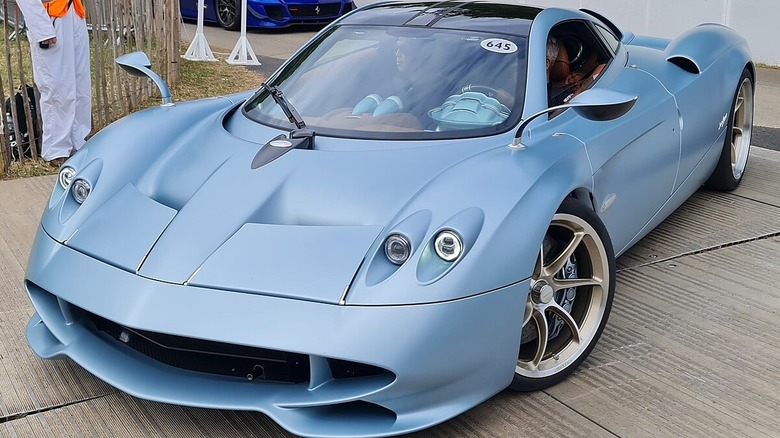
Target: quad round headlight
<point>397,248</point>
<point>81,188</point>
<point>66,176</point>
<point>448,245</point>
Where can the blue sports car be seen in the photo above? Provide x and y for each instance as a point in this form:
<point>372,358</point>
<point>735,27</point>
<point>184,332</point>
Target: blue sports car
<point>420,208</point>
<point>267,13</point>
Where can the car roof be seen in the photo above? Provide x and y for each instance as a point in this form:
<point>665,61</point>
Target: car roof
<point>492,16</point>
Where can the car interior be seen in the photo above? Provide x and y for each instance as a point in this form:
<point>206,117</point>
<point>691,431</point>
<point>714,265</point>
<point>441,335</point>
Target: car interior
<point>582,56</point>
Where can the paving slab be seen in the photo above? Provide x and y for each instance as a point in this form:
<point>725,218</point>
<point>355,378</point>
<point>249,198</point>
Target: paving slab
<point>21,205</point>
<point>691,348</point>
<point>119,415</point>
<point>761,182</point>
<point>22,202</point>
<point>29,384</point>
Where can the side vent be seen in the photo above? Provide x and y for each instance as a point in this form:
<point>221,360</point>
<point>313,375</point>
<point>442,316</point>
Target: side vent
<point>684,63</point>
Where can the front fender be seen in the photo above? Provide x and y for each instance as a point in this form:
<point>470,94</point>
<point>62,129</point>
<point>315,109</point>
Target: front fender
<point>121,153</point>
<point>501,203</point>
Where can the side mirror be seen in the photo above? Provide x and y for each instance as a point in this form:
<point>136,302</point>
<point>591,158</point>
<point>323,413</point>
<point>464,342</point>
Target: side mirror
<point>594,104</point>
<point>138,64</point>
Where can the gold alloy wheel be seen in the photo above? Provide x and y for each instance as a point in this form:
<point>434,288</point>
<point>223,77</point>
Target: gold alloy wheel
<point>546,355</point>
<point>741,128</point>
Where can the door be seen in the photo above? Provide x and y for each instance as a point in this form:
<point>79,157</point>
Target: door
<point>634,158</point>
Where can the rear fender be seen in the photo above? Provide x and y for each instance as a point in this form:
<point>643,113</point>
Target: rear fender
<point>698,49</point>
<point>705,65</point>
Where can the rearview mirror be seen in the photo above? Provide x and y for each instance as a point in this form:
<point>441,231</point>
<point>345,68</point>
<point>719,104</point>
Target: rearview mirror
<point>602,105</point>
<point>594,104</point>
<point>138,64</point>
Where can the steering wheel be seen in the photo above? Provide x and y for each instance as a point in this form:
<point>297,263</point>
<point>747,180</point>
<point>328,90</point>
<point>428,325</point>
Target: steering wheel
<point>504,97</point>
<point>576,55</point>
<point>484,89</point>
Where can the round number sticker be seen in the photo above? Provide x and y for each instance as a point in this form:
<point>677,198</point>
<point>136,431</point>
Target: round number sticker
<point>499,45</point>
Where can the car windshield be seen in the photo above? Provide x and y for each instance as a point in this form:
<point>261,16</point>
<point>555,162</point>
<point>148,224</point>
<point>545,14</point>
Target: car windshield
<point>383,82</point>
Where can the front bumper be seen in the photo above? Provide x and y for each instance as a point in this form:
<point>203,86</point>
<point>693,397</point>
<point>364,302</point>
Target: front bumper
<point>441,359</point>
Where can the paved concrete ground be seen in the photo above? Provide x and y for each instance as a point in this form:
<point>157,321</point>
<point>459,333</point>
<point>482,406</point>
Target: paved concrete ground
<point>691,348</point>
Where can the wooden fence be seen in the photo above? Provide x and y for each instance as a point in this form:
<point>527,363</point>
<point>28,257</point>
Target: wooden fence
<point>116,27</point>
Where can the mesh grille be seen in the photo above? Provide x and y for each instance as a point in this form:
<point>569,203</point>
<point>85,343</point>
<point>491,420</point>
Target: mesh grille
<point>210,357</point>
<point>323,10</point>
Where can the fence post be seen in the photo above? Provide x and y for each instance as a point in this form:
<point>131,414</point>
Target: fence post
<point>11,93</point>
<point>5,141</point>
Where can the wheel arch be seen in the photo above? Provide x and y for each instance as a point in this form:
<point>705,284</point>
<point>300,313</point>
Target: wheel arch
<point>584,196</point>
<point>568,178</point>
<point>752,69</point>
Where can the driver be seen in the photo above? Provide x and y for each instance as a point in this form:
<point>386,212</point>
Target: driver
<point>560,81</point>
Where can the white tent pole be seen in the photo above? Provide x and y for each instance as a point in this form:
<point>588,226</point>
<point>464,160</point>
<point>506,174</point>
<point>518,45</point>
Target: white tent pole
<point>199,49</point>
<point>242,53</point>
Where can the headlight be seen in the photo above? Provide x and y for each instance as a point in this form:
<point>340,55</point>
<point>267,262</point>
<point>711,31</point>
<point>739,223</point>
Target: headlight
<point>81,188</point>
<point>66,176</point>
<point>448,245</point>
<point>397,249</point>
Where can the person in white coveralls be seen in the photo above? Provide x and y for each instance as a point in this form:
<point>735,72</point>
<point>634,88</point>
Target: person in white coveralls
<point>59,45</point>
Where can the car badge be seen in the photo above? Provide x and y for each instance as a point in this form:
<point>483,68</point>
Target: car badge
<point>723,121</point>
<point>317,10</point>
<point>607,202</point>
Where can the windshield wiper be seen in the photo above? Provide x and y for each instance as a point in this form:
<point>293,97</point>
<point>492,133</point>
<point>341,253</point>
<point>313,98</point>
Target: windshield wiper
<point>285,105</point>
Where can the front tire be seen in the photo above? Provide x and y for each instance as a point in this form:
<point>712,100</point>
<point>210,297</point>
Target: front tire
<point>736,148</point>
<point>229,13</point>
<point>571,294</point>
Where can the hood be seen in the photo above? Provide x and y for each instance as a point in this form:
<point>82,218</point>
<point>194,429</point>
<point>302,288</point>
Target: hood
<point>299,226</point>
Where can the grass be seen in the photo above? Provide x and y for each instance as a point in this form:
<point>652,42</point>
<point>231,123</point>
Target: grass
<point>201,79</point>
<point>198,80</point>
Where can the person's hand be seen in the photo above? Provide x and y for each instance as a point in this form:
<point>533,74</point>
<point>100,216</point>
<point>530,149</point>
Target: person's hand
<point>51,41</point>
<point>573,78</point>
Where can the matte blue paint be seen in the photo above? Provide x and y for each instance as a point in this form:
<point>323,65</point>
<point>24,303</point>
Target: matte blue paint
<point>130,244</point>
<point>393,336</point>
<point>181,237</point>
<point>318,262</point>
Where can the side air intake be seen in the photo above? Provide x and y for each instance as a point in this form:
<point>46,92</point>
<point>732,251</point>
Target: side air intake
<point>685,63</point>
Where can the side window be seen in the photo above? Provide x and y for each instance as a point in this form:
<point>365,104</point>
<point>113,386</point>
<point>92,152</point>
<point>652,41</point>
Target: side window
<point>609,38</point>
<point>582,55</point>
